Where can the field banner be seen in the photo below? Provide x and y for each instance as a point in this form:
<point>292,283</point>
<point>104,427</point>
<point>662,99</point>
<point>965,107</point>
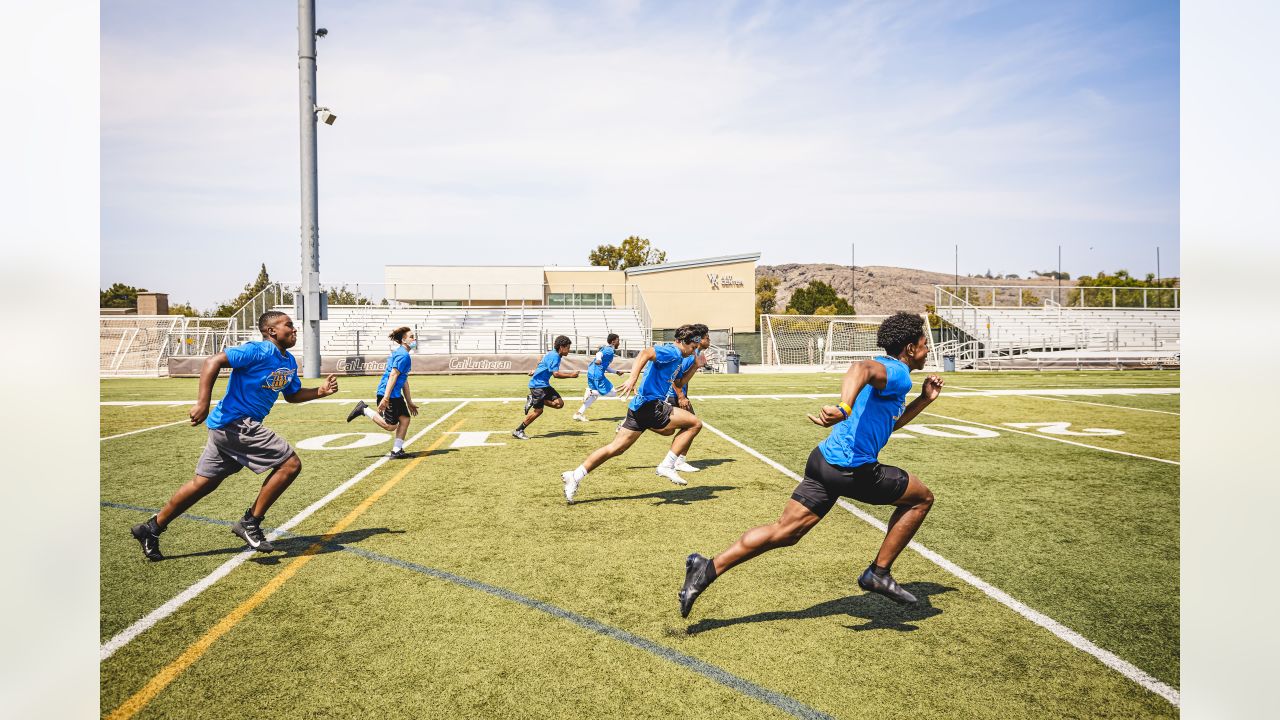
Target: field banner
<point>422,364</point>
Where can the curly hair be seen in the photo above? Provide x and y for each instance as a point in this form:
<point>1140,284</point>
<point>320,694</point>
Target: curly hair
<point>898,331</point>
<point>398,334</point>
<point>685,333</point>
<point>562,341</point>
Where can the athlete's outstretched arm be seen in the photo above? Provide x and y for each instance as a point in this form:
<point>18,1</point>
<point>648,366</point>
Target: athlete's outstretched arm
<point>641,360</point>
<point>208,374</point>
<point>929,391</point>
<point>329,387</point>
<point>859,375</point>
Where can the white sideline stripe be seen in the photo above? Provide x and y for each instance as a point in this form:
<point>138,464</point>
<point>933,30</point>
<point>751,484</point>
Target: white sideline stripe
<point>1107,405</point>
<point>1042,436</point>
<point>135,432</point>
<point>1063,632</point>
<point>773,396</point>
<point>124,637</point>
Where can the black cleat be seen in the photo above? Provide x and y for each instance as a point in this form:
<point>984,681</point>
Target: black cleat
<point>696,568</point>
<point>884,585</point>
<point>148,534</point>
<point>399,454</point>
<point>357,411</point>
<point>249,529</point>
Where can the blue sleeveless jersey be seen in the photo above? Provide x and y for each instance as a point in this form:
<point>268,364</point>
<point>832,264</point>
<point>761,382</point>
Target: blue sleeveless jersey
<point>858,439</point>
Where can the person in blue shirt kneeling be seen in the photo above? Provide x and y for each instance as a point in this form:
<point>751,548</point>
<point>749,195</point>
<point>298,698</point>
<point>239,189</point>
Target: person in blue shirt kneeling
<point>873,404</point>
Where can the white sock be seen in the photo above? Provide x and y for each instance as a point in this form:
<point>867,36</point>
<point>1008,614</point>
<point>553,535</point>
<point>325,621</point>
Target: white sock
<point>679,460</point>
<point>586,401</point>
<point>369,413</point>
<point>398,445</point>
<point>670,460</point>
<point>580,473</point>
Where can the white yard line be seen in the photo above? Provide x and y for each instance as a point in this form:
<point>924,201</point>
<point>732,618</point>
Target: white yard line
<point>1061,631</point>
<point>124,637</point>
<point>1042,436</point>
<point>135,432</point>
<point>1106,405</point>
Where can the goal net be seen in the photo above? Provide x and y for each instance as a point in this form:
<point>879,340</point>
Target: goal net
<point>826,340</point>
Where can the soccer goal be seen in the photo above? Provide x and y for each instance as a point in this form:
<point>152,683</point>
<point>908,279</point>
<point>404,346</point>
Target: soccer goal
<point>829,341</point>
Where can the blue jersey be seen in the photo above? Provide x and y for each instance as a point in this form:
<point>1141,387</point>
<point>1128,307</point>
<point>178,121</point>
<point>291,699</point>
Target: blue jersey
<point>542,374</point>
<point>858,439</point>
<point>685,364</point>
<point>657,377</point>
<point>597,370</point>
<point>399,360</point>
<point>259,373</point>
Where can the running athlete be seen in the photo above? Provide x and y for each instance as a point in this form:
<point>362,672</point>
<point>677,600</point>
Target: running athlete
<point>598,384</point>
<point>540,390</point>
<point>396,406</point>
<point>260,372</point>
<point>872,405</point>
<point>648,411</point>
<point>678,395</point>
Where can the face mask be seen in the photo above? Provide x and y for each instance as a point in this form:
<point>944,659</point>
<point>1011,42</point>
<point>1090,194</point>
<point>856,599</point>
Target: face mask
<point>413,344</point>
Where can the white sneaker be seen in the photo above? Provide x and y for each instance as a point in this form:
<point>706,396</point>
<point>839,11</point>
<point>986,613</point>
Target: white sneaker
<point>580,417</point>
<point>570,486</point>
<point>686,467</point>
<point>670,474</point>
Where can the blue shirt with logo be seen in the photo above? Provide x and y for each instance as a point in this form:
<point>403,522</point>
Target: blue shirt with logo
<point>259,373</point>
<point>657,377</point>
<point>399,360</point>
<point>606,356</point>
<point>542,374</point>
<point>858,439</point>
<point>685,364</point>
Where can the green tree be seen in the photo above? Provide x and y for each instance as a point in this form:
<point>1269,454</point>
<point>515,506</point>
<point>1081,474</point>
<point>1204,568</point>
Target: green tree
<point>119,295</point>
<point>229,308</point>
<point>807,300</point>
<point>183,309</point>
<point>1128,291</point>
<point>766,296</point>
<point>343,296</point>
<point>632,252</point>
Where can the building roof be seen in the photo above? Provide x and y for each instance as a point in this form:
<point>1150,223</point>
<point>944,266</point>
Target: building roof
<point>702,262</point>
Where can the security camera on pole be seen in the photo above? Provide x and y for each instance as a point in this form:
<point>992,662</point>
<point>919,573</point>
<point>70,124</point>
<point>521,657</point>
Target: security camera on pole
<point>311,307</point>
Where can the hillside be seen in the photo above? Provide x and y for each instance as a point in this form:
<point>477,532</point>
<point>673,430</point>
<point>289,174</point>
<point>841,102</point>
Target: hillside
<point>882,290</point>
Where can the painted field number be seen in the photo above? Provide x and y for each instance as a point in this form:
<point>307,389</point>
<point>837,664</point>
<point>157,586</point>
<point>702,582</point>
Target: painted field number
<point>1062,428</point>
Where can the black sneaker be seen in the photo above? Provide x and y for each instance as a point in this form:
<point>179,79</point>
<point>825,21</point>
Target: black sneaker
<point>357,411</point>
<point>250,530</point>
<point>696,568</point>
<point>884,585</point>
<point>148,534</point>
<point>399,454</point>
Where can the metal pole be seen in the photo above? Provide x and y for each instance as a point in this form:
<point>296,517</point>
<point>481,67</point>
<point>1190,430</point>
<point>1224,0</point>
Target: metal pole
<point>1157,264</point>
<point>1059,269</point>
<point>957,270</point>
<point>853,280</point>
<point>310,201</point>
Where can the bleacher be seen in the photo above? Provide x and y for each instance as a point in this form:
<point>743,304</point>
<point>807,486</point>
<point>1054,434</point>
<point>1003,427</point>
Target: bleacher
<point>1011,330</point>
<point>363,329</point>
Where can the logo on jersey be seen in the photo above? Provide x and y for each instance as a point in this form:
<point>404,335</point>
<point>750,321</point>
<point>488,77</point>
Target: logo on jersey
<point>278,380</point>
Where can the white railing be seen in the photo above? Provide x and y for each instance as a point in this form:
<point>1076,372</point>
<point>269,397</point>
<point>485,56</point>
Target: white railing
<point>1010,296</point>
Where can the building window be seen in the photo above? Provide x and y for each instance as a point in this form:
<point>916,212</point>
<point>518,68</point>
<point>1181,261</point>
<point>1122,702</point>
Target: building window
<point>580,299</point>
<point>438,303</point>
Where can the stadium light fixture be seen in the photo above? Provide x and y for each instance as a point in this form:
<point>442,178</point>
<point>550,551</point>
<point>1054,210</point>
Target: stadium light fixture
<point>325,115</point>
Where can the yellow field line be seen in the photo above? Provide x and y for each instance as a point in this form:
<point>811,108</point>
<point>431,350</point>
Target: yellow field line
<point>171,671</point>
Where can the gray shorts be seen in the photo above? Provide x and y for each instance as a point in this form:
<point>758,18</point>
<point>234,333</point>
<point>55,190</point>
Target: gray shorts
<point>242,443</point>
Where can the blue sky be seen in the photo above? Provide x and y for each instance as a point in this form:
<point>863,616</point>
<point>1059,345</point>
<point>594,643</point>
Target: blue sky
<point>528,133</point>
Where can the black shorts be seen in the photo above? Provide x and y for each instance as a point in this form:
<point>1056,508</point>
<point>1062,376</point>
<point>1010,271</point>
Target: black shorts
<point>396,409</point>
<point>653,415</point>
<point>676,403</point>
<point>541,395</point>
<point>823,483</point>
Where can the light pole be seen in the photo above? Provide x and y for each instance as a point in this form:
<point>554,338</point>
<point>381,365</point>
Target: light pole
<point>312,309</point>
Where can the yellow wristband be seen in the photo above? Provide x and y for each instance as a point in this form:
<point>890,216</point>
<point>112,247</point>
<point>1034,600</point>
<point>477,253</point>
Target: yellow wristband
<point>845,409</point>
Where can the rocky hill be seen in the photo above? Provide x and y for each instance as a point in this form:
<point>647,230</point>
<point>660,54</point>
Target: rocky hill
<point>882,290</point>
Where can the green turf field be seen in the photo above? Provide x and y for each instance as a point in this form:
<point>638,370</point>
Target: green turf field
<point>459,584</point>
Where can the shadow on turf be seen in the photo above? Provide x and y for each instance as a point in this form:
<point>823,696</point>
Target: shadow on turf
<point>561,433</point>
<point>415,453</point>
<point>295,545</point>
<point>675,496</point>
<point>700,464</point>
<point>880,613</point>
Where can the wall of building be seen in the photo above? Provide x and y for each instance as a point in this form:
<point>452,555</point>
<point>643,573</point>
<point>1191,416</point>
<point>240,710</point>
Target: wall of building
<point>596,282</point>
<point>685,295</point>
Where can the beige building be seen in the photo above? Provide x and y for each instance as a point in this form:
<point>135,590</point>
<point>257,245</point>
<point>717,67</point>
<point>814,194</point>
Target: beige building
<point>718,291</point>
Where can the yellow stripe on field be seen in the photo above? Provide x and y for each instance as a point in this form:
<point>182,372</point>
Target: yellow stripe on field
<point>171,671</point>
